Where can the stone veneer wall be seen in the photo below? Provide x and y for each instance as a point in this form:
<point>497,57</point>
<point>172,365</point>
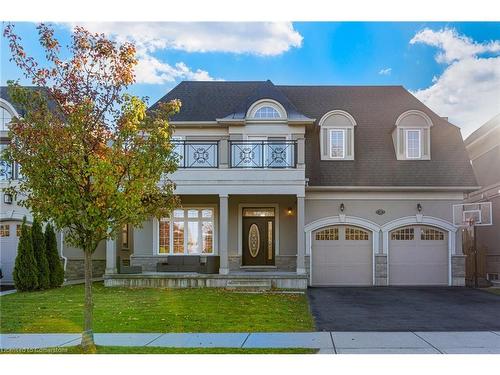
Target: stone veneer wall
<point>380,270</point>
<point>285,263</point>
<point>75,269</point>
<point>458,270</point>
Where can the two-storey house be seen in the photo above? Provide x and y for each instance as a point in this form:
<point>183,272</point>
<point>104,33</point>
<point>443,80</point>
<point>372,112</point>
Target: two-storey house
<point>289,186</point>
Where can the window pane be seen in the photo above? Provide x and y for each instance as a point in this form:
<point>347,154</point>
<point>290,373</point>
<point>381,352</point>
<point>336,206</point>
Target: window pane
<point>192,213</point>
<point>413,143</point>
<point>337,143</point>
<point>5,166</point>
<point>4,230</point>
<point>18,230</point>
<point>178,237</point>
<point>164,236</point>
<point>207,213</point>
<point>207,228</point>
<point>193,246</point>
<point>178,213</point>
<point>5,118</point>
<point>258,212</point>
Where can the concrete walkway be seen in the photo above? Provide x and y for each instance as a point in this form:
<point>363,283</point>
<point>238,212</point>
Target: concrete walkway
<point>487,342</point>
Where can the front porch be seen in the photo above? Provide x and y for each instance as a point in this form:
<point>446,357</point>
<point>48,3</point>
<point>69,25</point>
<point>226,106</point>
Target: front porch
<point>216,241</point>
<point>265,280</point>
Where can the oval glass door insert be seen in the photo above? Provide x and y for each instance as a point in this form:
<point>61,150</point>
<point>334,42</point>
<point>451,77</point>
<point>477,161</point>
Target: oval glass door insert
<point>254,240</point>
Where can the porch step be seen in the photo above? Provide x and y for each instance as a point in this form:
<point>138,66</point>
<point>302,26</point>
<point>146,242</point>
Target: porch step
<point>250,284</point>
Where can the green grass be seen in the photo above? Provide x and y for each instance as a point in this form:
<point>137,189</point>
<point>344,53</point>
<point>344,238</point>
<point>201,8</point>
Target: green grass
<point>159,350</point>
<point>154,310</point>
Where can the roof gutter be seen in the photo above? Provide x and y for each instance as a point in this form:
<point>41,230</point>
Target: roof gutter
<point>393,188</point>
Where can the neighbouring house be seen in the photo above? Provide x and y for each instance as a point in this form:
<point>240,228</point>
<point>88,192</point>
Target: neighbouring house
<point>289,186</point>
<point>483,147</point>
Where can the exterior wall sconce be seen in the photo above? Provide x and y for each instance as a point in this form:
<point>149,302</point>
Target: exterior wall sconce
<point>342,207</point>
<point>7,198</point>
<point>289,211</point>
<point>419,207</point>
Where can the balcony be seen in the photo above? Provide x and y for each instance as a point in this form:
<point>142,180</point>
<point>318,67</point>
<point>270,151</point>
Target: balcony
<point>237,154</point>
<point>263,154</point>
<point>197,154</point>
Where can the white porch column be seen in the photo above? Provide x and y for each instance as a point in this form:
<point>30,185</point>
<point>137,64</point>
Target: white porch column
<point>111,257</point>
<point>301,244</point>
<point>223,234</point>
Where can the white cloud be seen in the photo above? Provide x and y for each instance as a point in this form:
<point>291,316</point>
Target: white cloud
<point>468,90</point>
<point>385,72</point>
<point>453,46</point>
<point>153,71</point>
<point>259,38</point>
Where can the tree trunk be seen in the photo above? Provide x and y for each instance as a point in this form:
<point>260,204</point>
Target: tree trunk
<point>88,344</point>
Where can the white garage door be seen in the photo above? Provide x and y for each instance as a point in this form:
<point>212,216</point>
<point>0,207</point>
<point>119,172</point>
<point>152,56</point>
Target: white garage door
<point>342,255</point>
<point>8,249</point>
<point>418,255</point>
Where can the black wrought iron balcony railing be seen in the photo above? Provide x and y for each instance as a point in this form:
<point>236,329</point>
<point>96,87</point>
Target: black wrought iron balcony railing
<point>197,154</point>
<point>263,154</point>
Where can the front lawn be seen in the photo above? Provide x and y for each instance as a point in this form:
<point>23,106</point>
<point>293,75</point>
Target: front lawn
<point>160,350</point>
<point>154,310</point>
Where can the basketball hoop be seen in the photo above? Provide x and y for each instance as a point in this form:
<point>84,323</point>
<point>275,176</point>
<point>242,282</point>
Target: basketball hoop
<point>470,216</point>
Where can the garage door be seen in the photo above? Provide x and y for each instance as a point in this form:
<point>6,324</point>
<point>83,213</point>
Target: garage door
<point>418,255</point>
<point>342,255</point>
<point>8,249</point>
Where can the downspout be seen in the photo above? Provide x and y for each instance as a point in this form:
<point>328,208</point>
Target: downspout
<point>62,253</point>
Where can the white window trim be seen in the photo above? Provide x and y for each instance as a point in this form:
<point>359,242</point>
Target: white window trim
<point>215,234</point>
<point>276,225</point>
<point>419,131</point>
<point>330,131</point>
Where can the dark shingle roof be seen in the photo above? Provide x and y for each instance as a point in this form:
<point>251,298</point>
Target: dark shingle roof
<point>4,94</point>
<point>375,109</point>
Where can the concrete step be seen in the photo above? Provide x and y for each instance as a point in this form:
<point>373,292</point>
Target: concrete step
<point>250,284</point>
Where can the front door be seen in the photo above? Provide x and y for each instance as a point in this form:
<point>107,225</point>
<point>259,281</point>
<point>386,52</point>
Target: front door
<point>258,237</point>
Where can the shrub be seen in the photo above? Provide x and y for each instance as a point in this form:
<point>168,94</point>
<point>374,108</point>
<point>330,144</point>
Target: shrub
<point>25,268</point>
<point>40,255</point>
<point>56,271</point>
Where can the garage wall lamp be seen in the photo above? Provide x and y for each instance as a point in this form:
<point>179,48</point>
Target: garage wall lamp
<point>419,207</point>
<point>342,207</point>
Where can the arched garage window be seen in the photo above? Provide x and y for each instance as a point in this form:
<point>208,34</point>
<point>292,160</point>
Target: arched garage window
<point>328,234</point>
<point>356,234</point>
<point>403,234</point>
<point>431,234</point>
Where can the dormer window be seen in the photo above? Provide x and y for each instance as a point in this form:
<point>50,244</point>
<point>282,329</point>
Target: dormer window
<point>412,140</point>
<point>266,109</point>
<point>337,136</point>
<point>337,143</point>
<point>267,113</point>
<point>413,144</point>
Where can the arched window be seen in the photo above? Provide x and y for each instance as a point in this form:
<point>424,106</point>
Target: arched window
<point>266,109</point>
<point>267,113</point>
<point>411,136</point>
<point>337,136</point>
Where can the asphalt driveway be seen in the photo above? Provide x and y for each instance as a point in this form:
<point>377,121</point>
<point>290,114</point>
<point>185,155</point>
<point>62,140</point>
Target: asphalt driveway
<point>404,309</point>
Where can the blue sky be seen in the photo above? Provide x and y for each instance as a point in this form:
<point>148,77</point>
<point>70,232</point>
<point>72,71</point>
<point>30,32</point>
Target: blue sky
<point>453,67</point>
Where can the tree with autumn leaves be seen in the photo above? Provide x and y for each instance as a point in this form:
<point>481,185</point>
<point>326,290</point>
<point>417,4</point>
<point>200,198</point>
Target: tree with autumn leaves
<point>93,158</point>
